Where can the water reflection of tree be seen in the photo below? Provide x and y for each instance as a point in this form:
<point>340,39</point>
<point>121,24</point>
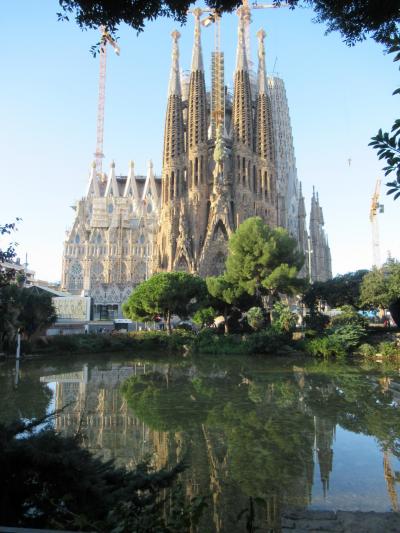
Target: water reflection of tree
<point>28,400</point>
<point>249,436</point>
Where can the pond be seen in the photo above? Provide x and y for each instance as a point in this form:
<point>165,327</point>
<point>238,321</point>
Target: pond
<point>266,434</point>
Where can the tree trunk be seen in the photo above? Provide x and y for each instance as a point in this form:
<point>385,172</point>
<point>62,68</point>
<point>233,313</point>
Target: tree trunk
<point>394,309</point>
<point>169,329</point>
<point>226,325</point>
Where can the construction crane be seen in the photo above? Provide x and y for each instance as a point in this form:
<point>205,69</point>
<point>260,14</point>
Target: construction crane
<point>104,40</point>
<point>244,11</point>
<point>376,208</point>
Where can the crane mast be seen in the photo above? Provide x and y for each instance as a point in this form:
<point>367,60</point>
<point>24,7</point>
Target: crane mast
<point>105,39</point>
<point>376,208</point>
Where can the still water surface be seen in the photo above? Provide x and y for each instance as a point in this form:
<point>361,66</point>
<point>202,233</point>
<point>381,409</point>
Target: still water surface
<point>278,433</point>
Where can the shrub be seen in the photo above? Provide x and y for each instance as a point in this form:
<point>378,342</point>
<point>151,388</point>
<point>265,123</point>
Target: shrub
<point>348,317</point>
<point>327,346</point>
<point>337,341</point>
<point>388,349</point>
<point>367,350</point>
<point>283,318</point>
<point>316,321</point>
<point>204,317</point>
<point>255,318</point>
<point>267,341</point>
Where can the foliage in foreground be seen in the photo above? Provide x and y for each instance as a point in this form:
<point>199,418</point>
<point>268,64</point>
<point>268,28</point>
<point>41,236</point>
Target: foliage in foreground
<point>355,20</point>
<point>49,481</point>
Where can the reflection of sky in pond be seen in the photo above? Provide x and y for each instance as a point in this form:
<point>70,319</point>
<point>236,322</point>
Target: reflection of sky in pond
<point>251,427</point>
<point>357,480</point>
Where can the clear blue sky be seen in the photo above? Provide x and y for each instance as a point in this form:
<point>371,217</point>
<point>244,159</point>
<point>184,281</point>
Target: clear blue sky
<point>338,97</point>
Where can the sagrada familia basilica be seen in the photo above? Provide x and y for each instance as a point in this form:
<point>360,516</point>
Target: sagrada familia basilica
<point>227,156</point>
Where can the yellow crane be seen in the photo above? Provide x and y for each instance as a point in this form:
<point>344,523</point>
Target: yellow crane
<point>375,209</point>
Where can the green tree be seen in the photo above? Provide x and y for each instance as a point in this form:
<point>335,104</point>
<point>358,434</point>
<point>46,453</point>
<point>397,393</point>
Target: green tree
<point>226,296</point>
<point>22,308</point>
<point>165,294</point>
<point>381,289</point>
<point>263,261</point>
<point>7,254</point>
<point>343,289</point>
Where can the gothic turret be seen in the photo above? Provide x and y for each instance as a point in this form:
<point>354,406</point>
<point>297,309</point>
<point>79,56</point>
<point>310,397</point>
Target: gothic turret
<point>112,185</point>
<point>174,136</point>
<point>93,187</point>
<point>264,182</point>
<point>131,190</point>
<point>321,268</point>
<point>242,104</point>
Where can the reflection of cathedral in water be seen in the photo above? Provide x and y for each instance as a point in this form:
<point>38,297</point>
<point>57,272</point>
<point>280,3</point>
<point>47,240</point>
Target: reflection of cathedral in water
<point>95,404</point>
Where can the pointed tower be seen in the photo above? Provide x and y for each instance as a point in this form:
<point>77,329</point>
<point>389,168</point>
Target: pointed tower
<point>242,133</point>
<point>93,186</point>
<point>197,145</point>
<point>321,269</point>
<point>174,167</point>
<point>264,182</point>
<point>112,185</point>
<point>242,104</point>
<point>131,190</point>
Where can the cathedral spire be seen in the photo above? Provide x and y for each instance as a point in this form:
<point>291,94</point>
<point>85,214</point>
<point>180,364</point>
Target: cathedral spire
<point>174,131</point>
<point>197,104</point>
<point>241,57</point>
<point>264,134</point>
<point>112,185</point>
<point>174,78</point>
<point>242,103</point>
<point>197,56</point>
<point>131,189</point>
<point>93,187</point>
<point>262,77</point>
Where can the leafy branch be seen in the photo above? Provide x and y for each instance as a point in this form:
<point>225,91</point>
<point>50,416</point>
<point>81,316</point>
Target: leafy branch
<point>388,145</point>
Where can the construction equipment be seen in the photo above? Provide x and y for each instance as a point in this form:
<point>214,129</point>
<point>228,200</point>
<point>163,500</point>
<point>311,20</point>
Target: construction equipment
<point>376,208</point>
<point>244,11</point>
<point>104,40</point>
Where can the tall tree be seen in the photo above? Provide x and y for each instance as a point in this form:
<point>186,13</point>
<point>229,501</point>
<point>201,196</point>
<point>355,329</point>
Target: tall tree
<point>263,261</point>
<point>7,254</point>
<point>381,288</point>
<point>22,308</point>
<point>165,294</point>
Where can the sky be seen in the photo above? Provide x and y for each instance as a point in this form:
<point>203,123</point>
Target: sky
<point>338,98</point>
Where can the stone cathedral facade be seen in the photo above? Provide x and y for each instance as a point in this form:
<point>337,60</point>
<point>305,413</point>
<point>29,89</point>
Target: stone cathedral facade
<point>226,157</point>
<point>107,252</point>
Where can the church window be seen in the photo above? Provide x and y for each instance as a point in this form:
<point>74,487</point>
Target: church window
<point>77,239</point>
<point>149,207</point>
<point>141,239</point>
<point>75,277</point>
<point>110,208</point>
